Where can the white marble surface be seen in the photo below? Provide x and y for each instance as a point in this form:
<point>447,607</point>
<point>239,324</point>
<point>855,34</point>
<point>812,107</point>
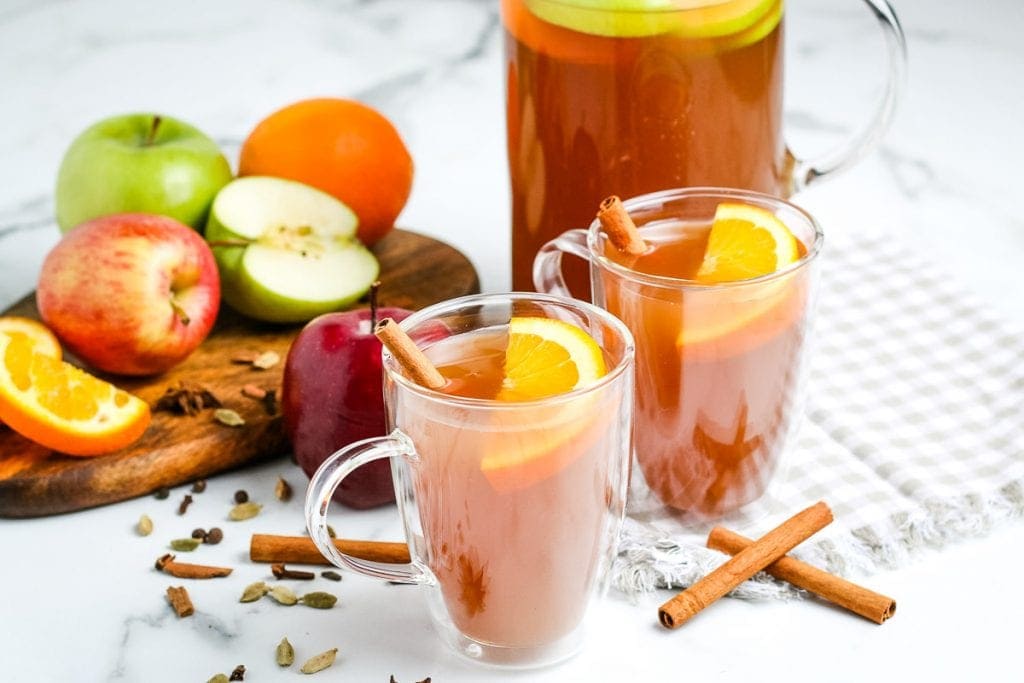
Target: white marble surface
<point>79,600</point>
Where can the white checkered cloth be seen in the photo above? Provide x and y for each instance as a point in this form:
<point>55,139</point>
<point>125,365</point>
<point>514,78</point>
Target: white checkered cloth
<point>913,430</point>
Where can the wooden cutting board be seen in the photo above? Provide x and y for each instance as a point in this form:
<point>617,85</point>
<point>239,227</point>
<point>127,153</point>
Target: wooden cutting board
<point>416,271</point>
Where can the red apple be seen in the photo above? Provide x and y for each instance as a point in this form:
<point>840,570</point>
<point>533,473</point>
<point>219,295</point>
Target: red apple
<point>130,294</point>
<point>332,396</point>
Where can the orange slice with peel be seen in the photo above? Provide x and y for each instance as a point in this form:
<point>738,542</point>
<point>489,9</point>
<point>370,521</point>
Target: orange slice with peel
<point>62,407</point>
<point>746,242</point>
<point>544,358</point>
<point>43,341</point>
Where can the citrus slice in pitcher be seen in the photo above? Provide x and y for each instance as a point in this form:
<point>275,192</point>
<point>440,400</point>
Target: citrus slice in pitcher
<point>640,18</point>
<point>544,358</point>
<point>62,407</point>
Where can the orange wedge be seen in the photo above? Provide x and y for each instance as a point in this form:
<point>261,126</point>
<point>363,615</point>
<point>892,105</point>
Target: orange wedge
<point>545,357</point>
<point>746,242</point>
<point>61,407</point>
<point>43,341</point>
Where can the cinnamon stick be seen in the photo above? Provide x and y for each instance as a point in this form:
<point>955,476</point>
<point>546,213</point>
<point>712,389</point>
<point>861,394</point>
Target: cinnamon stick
<point>184,570</point>
<point>620,227</point>
<point>859,600</point>
<point>412,361</point>
<point>744,564</point>
<point>301,550</point>
<point>180,601</point>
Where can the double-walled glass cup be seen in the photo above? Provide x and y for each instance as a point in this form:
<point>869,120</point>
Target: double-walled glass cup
<point>511,509</point>
<point>718,365</point>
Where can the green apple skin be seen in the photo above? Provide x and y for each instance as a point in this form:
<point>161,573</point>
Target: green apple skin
<point>243,268</point>
<point>124,165</point>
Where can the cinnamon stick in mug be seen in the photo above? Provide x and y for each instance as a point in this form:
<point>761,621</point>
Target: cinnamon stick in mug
<point>414,364</point>
<point>301,550</point>
<point>859,600</point>
<point>620,228</point>
<point>758,555</point>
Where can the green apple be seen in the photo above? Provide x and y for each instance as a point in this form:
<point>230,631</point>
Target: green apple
<point>286,251</point>
<point>140,163</point>
<point>639,18</point>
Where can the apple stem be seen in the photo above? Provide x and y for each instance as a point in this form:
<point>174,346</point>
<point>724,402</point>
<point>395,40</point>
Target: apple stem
<point>152,129</point>
<point>229,243</point>
<point>180,312</point>
<point>373,304</point>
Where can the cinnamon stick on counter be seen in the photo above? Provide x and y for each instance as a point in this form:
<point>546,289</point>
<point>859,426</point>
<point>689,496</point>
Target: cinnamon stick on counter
<point>185,570</point>
<point>859,600</point>
<point>414,364</point>
<point>620,227</point>
<point>744,565</point>
<point>301,550</point>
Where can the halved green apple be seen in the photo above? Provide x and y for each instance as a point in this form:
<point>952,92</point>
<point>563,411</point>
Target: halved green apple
<point>640,18</point>
<point>286,251</point>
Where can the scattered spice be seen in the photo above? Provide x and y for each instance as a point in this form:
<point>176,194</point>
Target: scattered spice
<point>319,662</point>
<point>330,531</point>
<point>185,545</point>
<point>282,572</point>
<point>185,502</point>
<point>332,575</point>
<point>186,399</point>
<point>283,595</point>
<point>214,536</point>
<point>266,360</point>
<point>219,678</point>
<point>200,534</point>
<point>184,570</point>
<point>241,496</point>
<point>319,600</point>
<point>182,604</point>
<point>245,357</point>
<point>144,526</point>
<point>238,674</point>
<point>254,591</point>
<point>285,653</point>
<point>253,391</point>
<point>198,486</point>
<point>283,490</point>
<point>228,417</point>
<point>162,493</point>
<point>270,403</point>
<point>244,511</point>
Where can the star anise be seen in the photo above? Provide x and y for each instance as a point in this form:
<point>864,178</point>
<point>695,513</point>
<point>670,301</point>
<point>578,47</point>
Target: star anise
<point>187,399</point>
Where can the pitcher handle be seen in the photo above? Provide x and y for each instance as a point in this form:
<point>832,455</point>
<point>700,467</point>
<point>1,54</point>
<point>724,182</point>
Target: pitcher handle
<point>547,264</point>
<point>318,499</point>
<point>807,171</point>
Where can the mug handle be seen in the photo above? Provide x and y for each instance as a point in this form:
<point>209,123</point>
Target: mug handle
<point>806,171</point>
<point>328,477</point>
<point>547,264</point>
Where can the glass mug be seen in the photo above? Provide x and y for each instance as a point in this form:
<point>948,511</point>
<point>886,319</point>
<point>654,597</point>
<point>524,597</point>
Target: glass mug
<point>629,102</point>
<point>719,366</point>
<point>511,509</point>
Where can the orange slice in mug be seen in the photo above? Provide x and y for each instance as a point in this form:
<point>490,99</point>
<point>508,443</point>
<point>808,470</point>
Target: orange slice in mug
<point>544,358</point>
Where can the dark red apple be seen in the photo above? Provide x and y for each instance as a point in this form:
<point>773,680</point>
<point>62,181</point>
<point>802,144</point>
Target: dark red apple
<point>332,396</point>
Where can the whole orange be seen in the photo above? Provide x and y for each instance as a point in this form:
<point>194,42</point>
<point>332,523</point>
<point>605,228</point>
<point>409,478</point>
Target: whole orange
<point>342,147</point>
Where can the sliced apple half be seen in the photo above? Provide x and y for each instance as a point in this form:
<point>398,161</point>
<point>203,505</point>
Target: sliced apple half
<point>639,18</point>
<point>286,251</point>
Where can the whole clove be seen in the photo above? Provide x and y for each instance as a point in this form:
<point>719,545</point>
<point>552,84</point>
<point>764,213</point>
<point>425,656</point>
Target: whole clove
<point>282,572</point>
<point>238,673</point>
<point>332,575</point>
<point>185,502</point>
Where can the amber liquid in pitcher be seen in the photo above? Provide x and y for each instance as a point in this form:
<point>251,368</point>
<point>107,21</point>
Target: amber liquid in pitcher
<point>590,115</point>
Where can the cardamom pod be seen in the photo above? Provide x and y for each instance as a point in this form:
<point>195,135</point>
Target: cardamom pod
<point>319,662</point>
<point>185,545</point>
<point>266,360</point>
<point>145,526</point>
<point>283,490</point>
<point>285,653</point>
<point>228,417</point>
<point>246,510</point>
<point>319,600</point>
<point>254,591</point>
<point>284,595</point>
<point>219,678</point>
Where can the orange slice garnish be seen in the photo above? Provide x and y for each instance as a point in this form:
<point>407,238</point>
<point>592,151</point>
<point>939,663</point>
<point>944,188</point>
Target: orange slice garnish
<point>746,242</point>
<point>544,357</point>
<point>62,407</point>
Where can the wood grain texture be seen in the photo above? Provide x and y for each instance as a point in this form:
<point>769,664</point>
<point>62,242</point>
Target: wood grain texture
<point>416,271</point>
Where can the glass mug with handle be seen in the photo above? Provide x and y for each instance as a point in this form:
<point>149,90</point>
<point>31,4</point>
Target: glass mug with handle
<point>634,96</point>
<point>511,508</point>
<point>719,364</point>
